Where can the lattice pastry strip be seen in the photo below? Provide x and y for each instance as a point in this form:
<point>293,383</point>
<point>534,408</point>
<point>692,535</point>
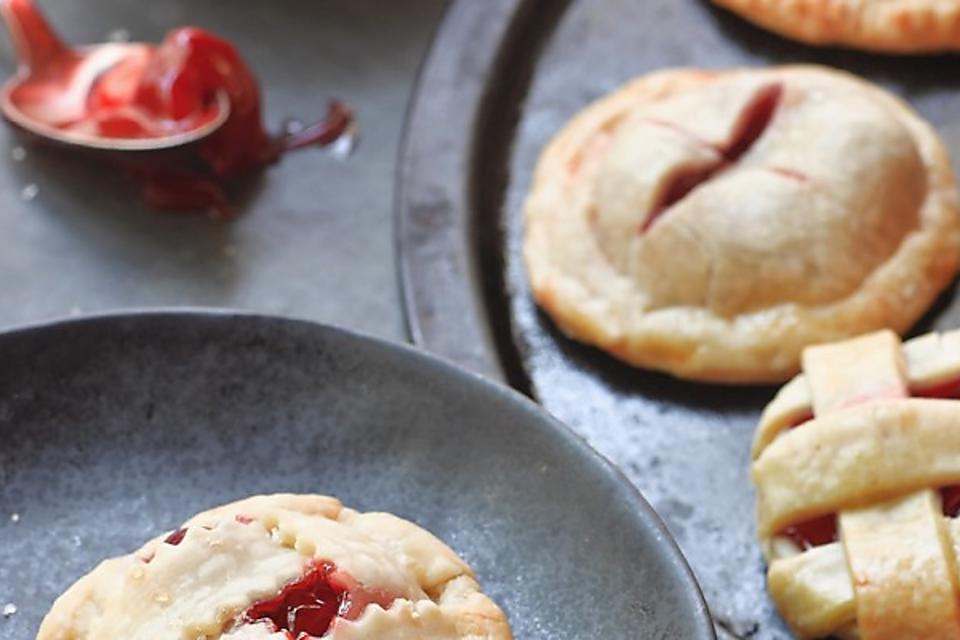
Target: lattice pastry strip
<point>890,546</point>
<point>932,370</point>
<point>850,507</point>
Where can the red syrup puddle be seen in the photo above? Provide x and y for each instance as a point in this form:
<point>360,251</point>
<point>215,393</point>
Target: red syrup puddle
<point>309,608</point>
<point>154,91</point>
<point>823,529</point>
<point>753,122</point>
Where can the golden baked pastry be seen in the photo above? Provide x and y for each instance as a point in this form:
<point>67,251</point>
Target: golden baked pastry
<point>282,567</point>
<point>893,26</point>
<point>857,469</point>
<point>713,224</point>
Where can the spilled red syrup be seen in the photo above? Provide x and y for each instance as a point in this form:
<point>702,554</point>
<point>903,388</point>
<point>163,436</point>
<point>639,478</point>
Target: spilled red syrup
<point>754,121</point>
<point>152,91</point>
<point>308,608</point>
<point>823,529</point>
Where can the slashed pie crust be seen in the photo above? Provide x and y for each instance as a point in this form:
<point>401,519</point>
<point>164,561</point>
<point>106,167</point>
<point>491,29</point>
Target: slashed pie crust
<point>713,224</point>
<point>204,582</point>
<point>893,26</point>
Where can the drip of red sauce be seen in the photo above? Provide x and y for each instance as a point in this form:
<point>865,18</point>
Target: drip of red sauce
<point>754,121</point>
<point>145,91</point>
<point>308,608</point>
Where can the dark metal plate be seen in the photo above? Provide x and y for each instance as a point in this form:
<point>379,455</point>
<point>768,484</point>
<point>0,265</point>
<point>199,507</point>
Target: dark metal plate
<point>478,123</point>
<point>114,429</point>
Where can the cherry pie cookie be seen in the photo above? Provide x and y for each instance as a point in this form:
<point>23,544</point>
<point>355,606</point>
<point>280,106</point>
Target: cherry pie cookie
<point>713,224</point>
<point>283,567</point>
<point>857,469</point>
<point>894,26</point>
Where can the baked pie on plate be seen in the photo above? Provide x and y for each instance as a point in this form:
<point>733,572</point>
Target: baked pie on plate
<point>282,567</point>
<point>712,224</point>
<point>857,469</point>
<point>894,26</point>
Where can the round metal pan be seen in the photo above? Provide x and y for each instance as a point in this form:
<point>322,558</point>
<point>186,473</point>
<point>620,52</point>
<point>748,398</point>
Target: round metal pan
<point>503,77</point>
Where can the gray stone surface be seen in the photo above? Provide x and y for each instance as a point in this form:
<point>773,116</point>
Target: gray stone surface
<point>314,238</point>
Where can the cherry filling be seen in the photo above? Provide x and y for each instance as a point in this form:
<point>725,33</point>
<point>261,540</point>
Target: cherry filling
<point>176,537</point>
<point>813,533</point>
<point>951,501</point>
<point>754,121</point>
<point>949,389</point>
<point>308,608</point>
<point>305,608</point>
<point>823,530</point>
<point>682,182</point>
<point>173,540</point>
<point>155,91</point>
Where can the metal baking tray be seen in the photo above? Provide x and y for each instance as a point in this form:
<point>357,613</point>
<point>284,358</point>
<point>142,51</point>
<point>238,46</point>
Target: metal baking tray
<point>502,77</point>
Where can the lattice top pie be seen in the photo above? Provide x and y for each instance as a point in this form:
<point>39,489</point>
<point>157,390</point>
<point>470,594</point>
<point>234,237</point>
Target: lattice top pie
<point>281,567</point>
<point>713,224</point>
<point>857,468</point>
<point>896,26</point>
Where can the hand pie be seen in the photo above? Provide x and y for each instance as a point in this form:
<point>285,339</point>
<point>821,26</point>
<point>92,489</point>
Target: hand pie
<point>893,26</point>
<point>713,224</point>
<point>281,567</point>
<point>857,469</point>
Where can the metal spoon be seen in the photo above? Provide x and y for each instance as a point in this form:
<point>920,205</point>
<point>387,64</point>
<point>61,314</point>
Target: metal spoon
<point>40,52</point>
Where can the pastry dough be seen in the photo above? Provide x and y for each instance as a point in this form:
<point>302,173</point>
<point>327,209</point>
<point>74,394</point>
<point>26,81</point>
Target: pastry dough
<point>228,570</point>
<point>713,224</point>
<point>894,26</point>
<point>856,464</point>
